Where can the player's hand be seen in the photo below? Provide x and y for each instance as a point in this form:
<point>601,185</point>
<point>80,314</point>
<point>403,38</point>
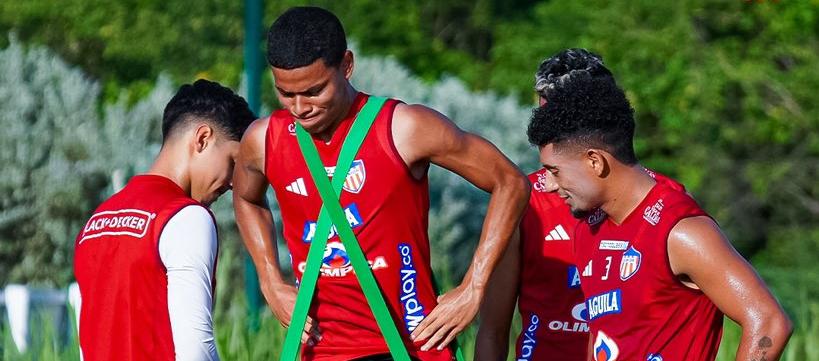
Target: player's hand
<point>283,310</point>
<point>455,310</point>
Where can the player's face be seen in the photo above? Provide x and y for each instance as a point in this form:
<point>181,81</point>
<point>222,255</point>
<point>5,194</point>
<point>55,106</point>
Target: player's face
<point>212,170</point>
<point>314,94</point>
<point>573,177</point>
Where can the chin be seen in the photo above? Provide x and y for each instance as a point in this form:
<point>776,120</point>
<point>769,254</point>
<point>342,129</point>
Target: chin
<point>580,213</point>
<point>313,125</point>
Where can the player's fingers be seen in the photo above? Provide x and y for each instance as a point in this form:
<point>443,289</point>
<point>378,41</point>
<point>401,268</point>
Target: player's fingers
<point>449,337</point>
<point>428,320</point>
<point>439,335</point>
<point>315,332</point>
<point>306,334</point>
<point>432,328</point>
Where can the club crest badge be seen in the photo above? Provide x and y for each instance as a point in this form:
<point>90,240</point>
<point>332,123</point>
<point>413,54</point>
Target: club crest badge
<point>630,263</point>
<point>356,177</point>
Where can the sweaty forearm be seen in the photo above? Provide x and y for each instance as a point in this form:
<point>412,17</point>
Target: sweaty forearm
<point>255,223</point>
<point>498,306</point>
<point>506,206</point>
<point>765,339</point>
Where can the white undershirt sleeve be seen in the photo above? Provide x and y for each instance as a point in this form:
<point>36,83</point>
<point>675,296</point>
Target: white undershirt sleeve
<point>187,247</point>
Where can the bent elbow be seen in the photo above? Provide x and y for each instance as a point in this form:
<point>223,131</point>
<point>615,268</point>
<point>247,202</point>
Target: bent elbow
<point>521,186</point>
<point>785,325</point>
<point>778,326</point>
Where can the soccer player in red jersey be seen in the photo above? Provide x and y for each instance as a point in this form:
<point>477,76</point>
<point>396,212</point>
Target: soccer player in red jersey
<point>145,260</point>
<point>656,270</point>
<point>385,199</point>
<point>537,269</point>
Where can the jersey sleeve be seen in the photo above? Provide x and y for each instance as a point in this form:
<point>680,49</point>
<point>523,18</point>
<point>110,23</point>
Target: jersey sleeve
<point>187,247</point>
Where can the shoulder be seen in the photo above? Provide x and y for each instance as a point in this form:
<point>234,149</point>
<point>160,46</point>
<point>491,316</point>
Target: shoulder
<point>665,180</point>
<point>692,231</point>
<point>252,147</point>
<point>423,125</point>
<point>194,215</point>
<point>417,113</point>
<point>189,234</point>
<point>694,240</point>
<point>675,203</point>
<point>256,130</point>
<point>193,221</point>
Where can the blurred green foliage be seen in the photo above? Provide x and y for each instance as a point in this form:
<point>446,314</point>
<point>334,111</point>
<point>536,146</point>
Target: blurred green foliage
<point>724,90</point>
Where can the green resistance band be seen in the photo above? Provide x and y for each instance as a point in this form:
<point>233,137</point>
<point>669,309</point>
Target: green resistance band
<point>332,213</point>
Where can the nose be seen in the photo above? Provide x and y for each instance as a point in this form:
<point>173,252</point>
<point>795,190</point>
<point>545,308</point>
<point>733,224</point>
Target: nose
<point>549,183</point>
<point>301,107</point>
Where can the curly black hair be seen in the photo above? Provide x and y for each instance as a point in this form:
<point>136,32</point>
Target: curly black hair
<point>588,112</point>
<point>303,34</point>
<point>567,66</point>
<point>206,100</point>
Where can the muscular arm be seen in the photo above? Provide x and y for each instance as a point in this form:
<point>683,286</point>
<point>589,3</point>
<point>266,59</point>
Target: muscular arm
<point>255,223</point>
<point>492,343</point>
<point>423,136</point>
<point>697,247</point>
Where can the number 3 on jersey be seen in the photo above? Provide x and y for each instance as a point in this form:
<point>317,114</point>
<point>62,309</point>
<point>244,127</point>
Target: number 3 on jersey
<point>608,267</point>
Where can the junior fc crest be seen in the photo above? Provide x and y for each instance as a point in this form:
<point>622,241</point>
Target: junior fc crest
<point>356,177</point>
<point>630,263</point>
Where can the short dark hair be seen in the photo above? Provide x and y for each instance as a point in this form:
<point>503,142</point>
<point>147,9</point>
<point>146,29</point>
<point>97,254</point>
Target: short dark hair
<point>304,34</point>
<point>588,112</point>
<point>567,66</point>
<point>209,101</point>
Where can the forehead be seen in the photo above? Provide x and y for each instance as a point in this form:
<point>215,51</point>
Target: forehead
<point>303,78</point>
<point>554,156</point>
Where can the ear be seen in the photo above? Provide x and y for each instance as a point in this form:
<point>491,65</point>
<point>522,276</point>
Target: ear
<point>598,162</point>
<point>347,64</point>
<point>203,137</point>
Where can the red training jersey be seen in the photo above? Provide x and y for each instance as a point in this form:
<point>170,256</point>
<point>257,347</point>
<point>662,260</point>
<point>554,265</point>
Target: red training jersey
<point>123,283</point>
<point>550,299</point>
<point>638,309</point>
<point>387,208</point>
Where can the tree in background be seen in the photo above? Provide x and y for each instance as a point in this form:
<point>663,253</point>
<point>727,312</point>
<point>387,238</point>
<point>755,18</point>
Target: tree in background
<point>67,151</point>
<point>724,91</point>
<point>60,158</point>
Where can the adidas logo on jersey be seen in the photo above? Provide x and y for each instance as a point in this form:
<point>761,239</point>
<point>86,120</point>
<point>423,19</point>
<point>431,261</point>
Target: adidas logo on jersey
<point>558,234</point>
<point>587,272</point>
<point>297,187</point>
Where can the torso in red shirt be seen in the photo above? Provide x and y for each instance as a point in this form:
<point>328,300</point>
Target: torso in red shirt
<point>550,300</point>
<point>388,211</point>
<point>638,309</point>
<point>123,283</point>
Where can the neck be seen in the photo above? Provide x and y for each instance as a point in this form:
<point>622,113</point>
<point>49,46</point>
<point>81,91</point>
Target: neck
<point>167,164</point>
<point>629,187</point>
<point>348,97</point>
